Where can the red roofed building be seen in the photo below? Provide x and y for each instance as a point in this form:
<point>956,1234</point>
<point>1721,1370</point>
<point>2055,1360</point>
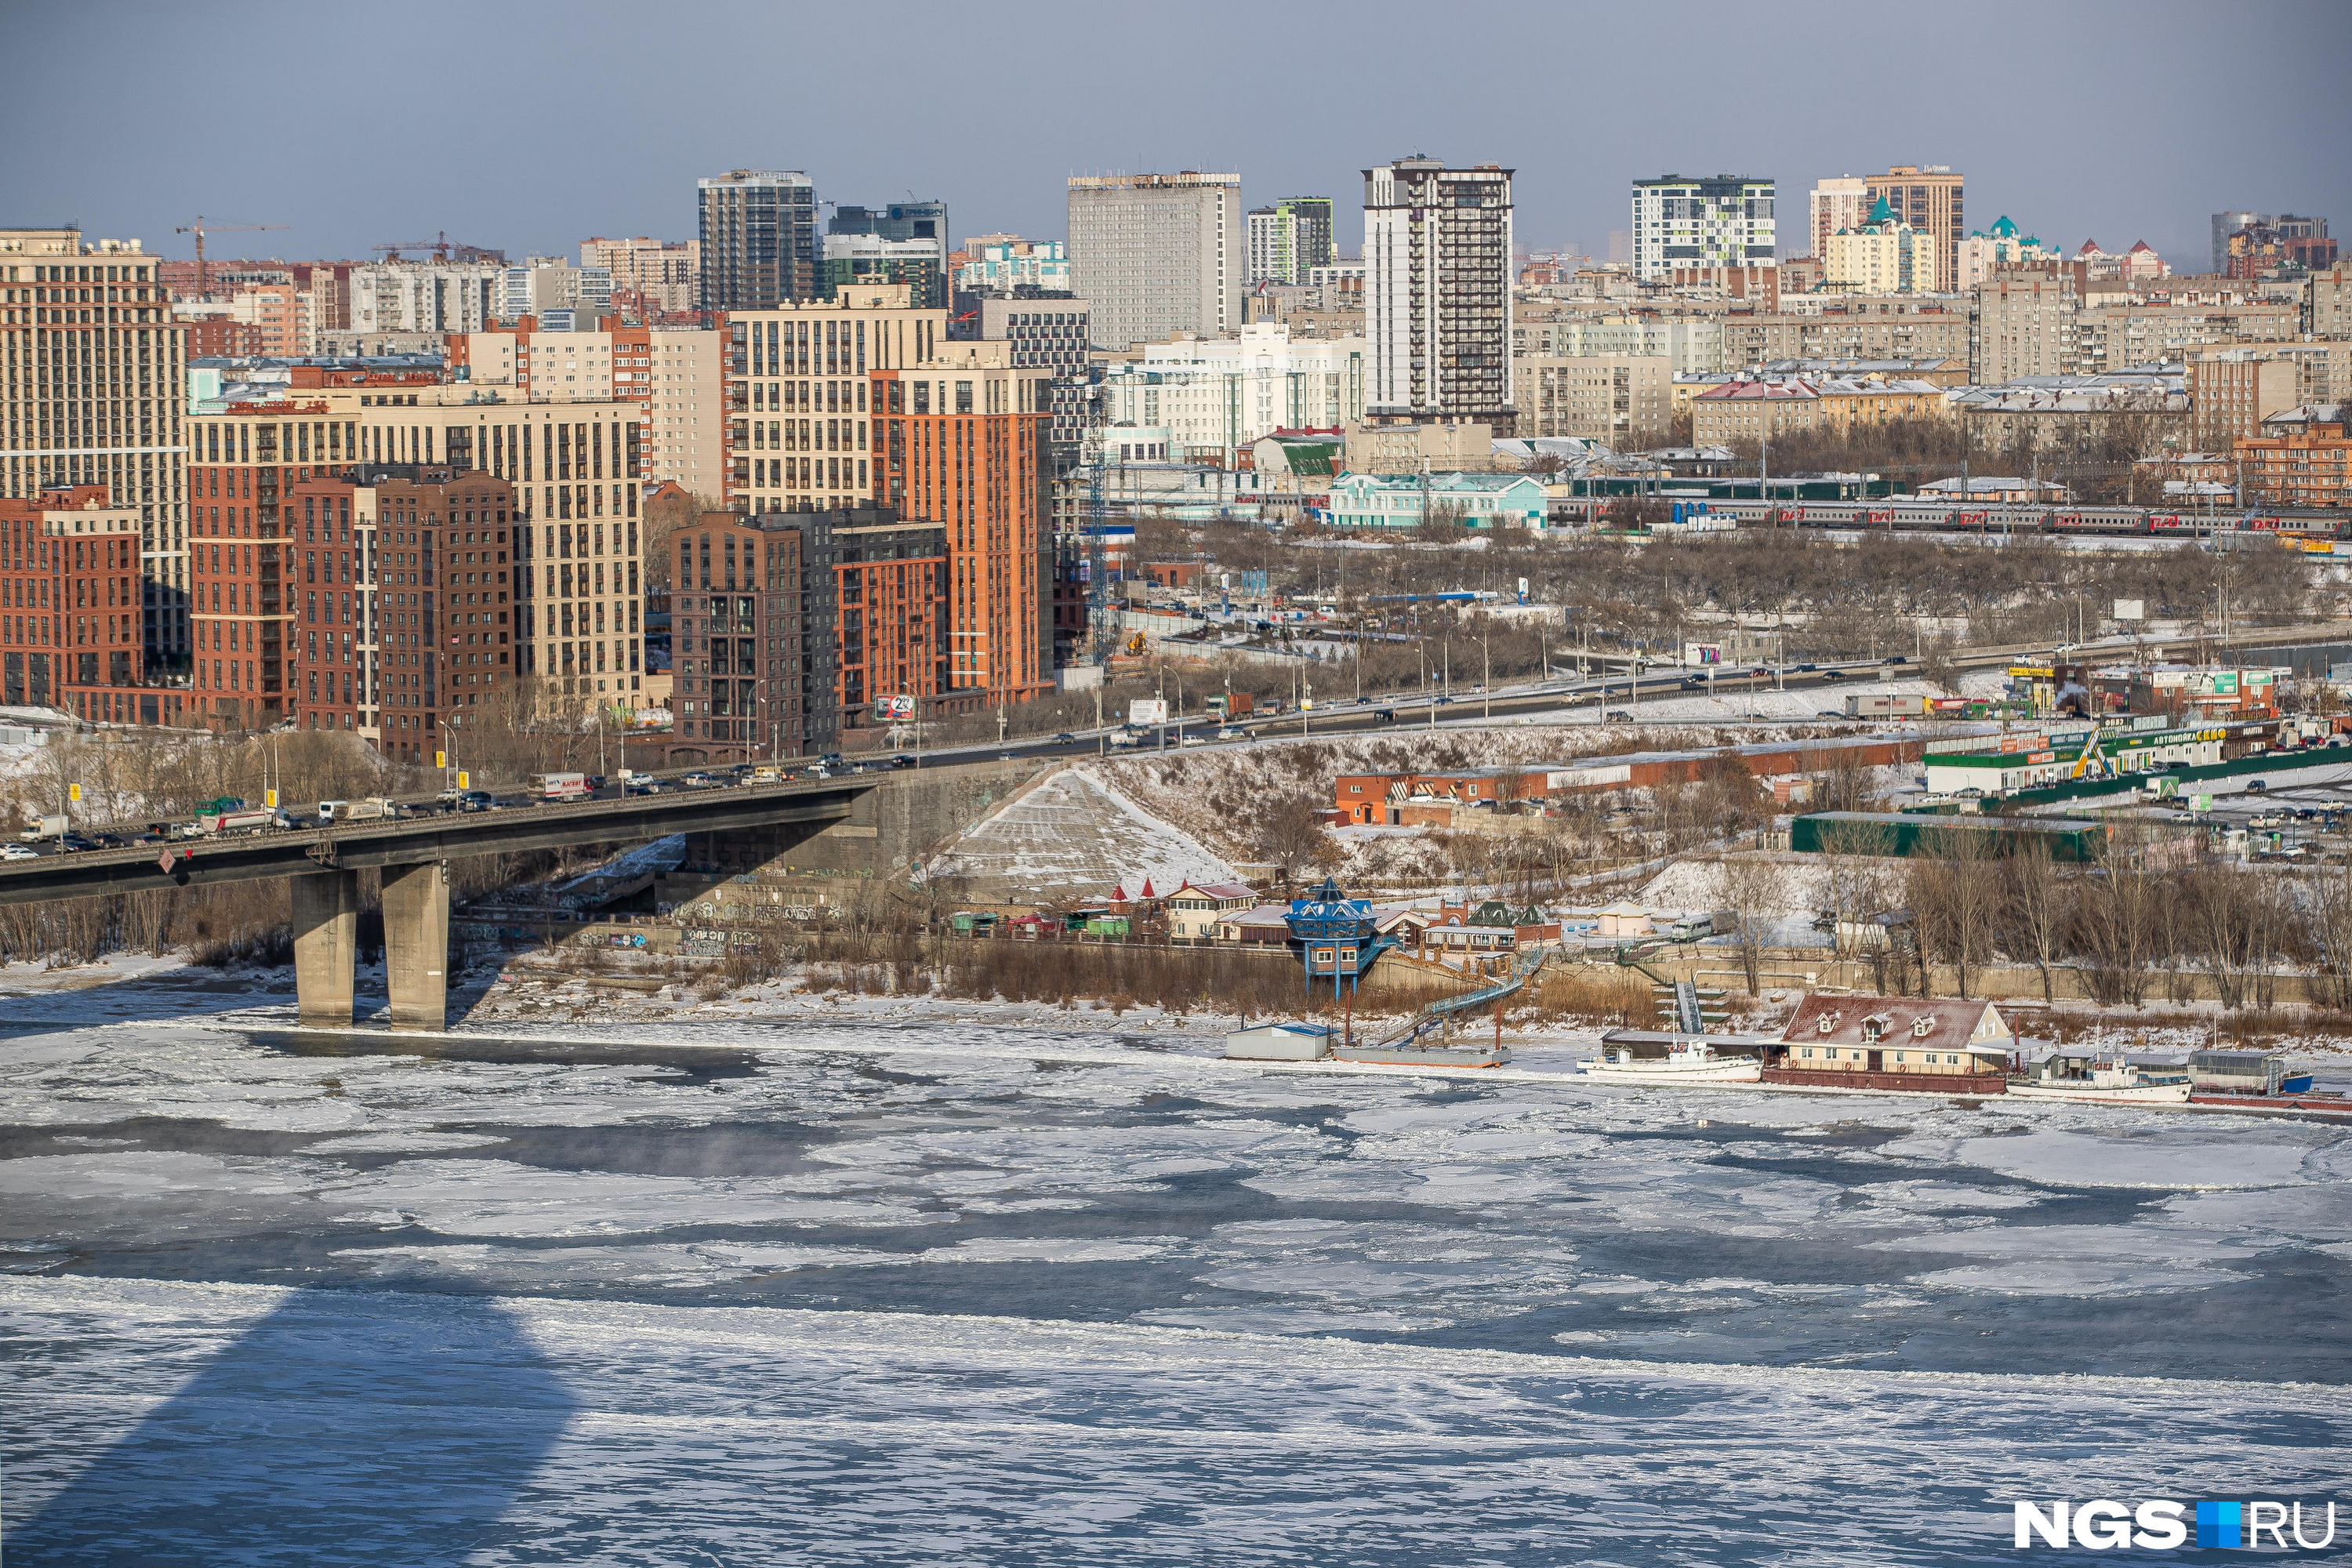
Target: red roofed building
<point>1746,412</point>
<point>1894,1042</point>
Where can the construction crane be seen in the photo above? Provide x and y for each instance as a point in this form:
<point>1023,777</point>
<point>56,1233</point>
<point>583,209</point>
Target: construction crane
<point>440,245</point>
<point>201,228</point>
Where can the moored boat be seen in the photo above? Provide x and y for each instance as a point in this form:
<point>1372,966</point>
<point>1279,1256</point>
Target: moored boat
<point>1687,1061</point>
<point>2097,1080</point>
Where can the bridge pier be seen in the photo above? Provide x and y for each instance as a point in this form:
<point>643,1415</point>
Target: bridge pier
<point>326,919</point>
<point>417,945</point>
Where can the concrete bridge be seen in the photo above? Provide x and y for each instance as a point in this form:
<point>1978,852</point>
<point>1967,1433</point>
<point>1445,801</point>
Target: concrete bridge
<point>322,866</point>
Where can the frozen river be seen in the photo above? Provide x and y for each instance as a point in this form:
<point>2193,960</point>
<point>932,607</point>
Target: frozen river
<point>921,1291</point>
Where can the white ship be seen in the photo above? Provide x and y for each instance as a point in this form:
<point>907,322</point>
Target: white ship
<point>2097,1080</point>
<point>1686,1061</point>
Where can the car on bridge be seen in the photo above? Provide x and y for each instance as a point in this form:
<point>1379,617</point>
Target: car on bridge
<point>698,780</point>
<point>18,852</point>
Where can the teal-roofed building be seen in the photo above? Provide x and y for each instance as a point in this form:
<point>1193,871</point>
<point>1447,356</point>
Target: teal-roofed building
<point>1407,500</point>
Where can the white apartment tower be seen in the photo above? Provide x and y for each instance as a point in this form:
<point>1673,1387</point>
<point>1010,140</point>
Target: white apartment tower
<point>1437,292</point>
<point>1156,255</point>
<point>1682,220</point>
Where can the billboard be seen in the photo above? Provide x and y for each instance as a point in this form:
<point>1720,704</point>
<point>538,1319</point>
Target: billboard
<point>1147,710</point>
<point>893,710</point>
<point>2131,610</point>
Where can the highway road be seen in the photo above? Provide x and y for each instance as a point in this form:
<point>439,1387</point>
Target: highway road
<point>1611,692</point>
<point>1615,690</point>
<point>418,840</point>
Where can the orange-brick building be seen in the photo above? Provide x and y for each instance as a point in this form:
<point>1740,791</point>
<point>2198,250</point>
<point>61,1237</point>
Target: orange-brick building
<point>2300,461</point>
<point>960,439</point>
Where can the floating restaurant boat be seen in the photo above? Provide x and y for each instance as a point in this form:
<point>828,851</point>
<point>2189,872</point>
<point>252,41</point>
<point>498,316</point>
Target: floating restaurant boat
<point>1690,1059</point>
<point>2097,1080</point>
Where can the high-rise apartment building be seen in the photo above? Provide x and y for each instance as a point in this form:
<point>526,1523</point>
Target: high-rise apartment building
<point>905,242</point>
<point>791,626</point>
<point>1289,239</point>
<point>93,382</point>
<point>545,285</point>
<point>757,240</point>
<point>1928,198</point>
<point>1835,204</point>
<point>2023,324</point>
<point>2233,390</point>
<point>576,472</point>
<point>69,601</point>
<point>1623,401</point>
<point>686,431</point>
<point>654,276</point>
<point>425,296</point>
<point>1682,220</point>
<point>961,439</point>
<point>2224,226</point>
<point>796,404</point>
<point>1158,254</point>
<point>1437,292</point>
<point>1039,331</point>
<point>398,623</point>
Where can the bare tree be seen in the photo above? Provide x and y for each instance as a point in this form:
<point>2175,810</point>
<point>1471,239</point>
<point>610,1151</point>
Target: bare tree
<point>2116,919</point>
<point>1954,887</point>
<point>1753,892</point>
<point>2327,923</point>
<point>1854,855</point>
<point>2037,909</point>
<point>1291,837</point>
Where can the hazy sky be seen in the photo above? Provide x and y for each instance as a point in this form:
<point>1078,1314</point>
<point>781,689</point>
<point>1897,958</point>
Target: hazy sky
<point>532,126</point>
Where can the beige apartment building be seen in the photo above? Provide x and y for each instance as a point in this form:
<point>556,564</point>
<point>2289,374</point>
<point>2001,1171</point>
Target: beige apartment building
<point>577,472</point>
<point>1881,258</point>
<point>796,393</point>
<point>686,430</point>
<point>2023,325</point>
<point>676,376</point>
<point>99,310</point>
<point>1867,327</point>
<point>1744,412</point>
<point>1419,448</point>
<point>2232,391</point>
<point>2328,304</point>
<point>1623,401</point>
<point>664,274</point>
<point>2120,336</point>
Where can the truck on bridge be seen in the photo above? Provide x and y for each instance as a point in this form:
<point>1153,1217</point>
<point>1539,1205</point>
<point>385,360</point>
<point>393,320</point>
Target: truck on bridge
<point>375,808</point>
<point>246,819</point>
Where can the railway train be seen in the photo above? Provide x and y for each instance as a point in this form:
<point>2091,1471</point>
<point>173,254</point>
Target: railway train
<point>1957,517</point>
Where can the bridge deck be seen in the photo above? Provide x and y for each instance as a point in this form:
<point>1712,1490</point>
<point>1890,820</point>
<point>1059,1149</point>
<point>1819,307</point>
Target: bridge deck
<point>416,841</point>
